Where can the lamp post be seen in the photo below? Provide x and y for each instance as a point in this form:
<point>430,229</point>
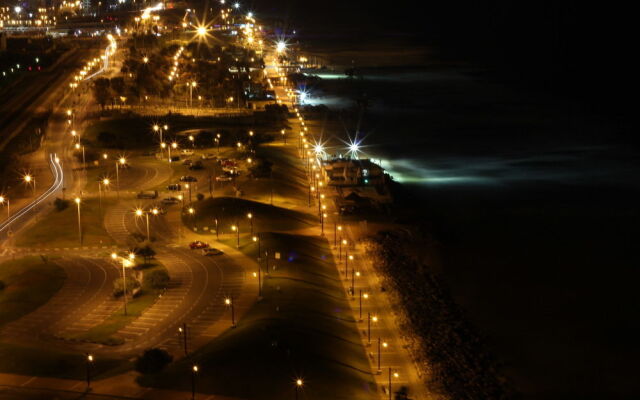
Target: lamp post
<point>30,180</point>
<point>3,200</point>
<point>192,84</point>
<point>174,146</point>
<point>183,332</point>
<point>395,375</point>
<point>381,344</point>
<point>371,318</point>
<point>104,182</point>
<point>250,216</point>
<point>125,263</point>
<point>336,229</point>
<point>194,372</point>
<point>139,213</point>
<point>236,229</point>
<point>362,296</point>
<point>342,242</point>
<point>89,362</point>
<point>78,201</point>
<point>256,238</point>
<point>121,162</point>
<point>299,384</point>
<point>229,302</point>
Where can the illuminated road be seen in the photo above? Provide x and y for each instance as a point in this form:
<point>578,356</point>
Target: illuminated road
<point>11,224</point>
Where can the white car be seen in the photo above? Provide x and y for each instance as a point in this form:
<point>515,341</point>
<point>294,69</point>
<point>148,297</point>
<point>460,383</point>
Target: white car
<point>186,152</point>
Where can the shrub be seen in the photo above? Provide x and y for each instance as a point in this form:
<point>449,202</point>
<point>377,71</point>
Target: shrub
<point>118,287</point>
<point>152,361</point>
<point>157,279</point>
<point>200,196</point>
<point>2,285</point>
<point>60,204</point>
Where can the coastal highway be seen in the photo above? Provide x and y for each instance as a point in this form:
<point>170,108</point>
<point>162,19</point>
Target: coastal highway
<point>35,93</point>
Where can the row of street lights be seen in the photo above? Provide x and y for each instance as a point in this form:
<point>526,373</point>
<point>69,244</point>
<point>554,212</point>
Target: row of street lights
<point>315,187</point>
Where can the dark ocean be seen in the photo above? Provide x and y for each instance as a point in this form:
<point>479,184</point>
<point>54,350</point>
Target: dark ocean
<point>523,162</point>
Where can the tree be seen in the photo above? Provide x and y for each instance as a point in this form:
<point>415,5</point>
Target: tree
<point>157,279</point>
<point>102,91</point>
<point>153,361</point>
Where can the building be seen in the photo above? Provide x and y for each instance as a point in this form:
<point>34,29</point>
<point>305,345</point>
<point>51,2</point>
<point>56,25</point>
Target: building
<point>353,172</point>
<point>360,185</point>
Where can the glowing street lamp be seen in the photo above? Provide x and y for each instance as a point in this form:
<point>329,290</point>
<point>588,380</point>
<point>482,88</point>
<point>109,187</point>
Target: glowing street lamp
<point>121,162</point>
<point>381,344</point>
<point>104,182</point>
<point>374,319</point>
<point>395,375</point>
<point>281,47</point>
<point>229,303</point>
<point>3,200</point>
<point>250,216</point>
<point>78,201</point>
<point>364,296</point>
<point>299,384</point>
<point>236,229</point>
<point>30,180</point>
<point>89,363</point>
<point>125,262</point>
<point>194,372</point>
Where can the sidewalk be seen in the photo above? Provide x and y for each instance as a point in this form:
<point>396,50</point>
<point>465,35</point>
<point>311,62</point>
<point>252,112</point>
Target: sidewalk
<point>391,364</point>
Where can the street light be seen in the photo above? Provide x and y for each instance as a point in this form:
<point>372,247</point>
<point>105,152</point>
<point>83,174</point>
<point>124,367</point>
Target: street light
<point>194,372</point>
<point>395,375</point>
<point>191,85</point>
<point>139,213</point>
<point>125,263</point>
<point>89,362</point>
<point>362,296</point>
<point>174,146</point>
<point>120,162</point>
<point>371,318</point>
<point>229,302</point>
<point>299,384</point>
<point>30,180</point>
<point>104,182</point>
<point>78,201</point>
<point>183,331</point>
<point>250,216</point>
<point>3,200</point>
<point>236,229</point>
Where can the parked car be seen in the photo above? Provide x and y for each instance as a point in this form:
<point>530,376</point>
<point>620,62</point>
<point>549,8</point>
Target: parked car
<point>186,152</point>
<point>208,156</point>
<point>212,252</point>
<point>187,162</point>
<point>196,165</point>
<point>175,158</point>
<point>148,194</point>
<point>188,178</point>
<point>223,178</point>
<point>170,200</point>
<point>176,187</point>
<point>198,245</point>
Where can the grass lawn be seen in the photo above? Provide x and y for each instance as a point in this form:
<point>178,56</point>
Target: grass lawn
<point>135,132</point>
<point>29,283</point>
<point>17,358</point>
<point>60,228</point>
<point>301,329</point>
<point>231,211</point>
<point>105,333</point>
<point>288,181</point>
